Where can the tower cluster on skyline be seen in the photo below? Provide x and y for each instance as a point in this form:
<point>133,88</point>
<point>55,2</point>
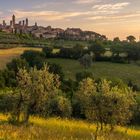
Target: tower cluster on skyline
<point>22,27</point>
<point>13,27</point>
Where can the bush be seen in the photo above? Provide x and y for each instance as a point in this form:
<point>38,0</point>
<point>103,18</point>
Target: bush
<point>62,107</point>
<point>72,53</point>
<point>34,58</point>
<point>10,78</point>
<point>16,64</point>
<point>136,117</point>
<point>56,69</point>
<point>7,100</point>
<point>69,87</point>
<point>47,51</point>
<point>83,75</point>
<point>2,80</point>
<point>119,59</point>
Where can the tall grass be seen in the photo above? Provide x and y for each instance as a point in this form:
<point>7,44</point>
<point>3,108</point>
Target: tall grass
<point>60,129</point>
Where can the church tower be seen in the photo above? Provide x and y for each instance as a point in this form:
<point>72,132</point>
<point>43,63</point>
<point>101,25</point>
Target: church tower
<point>23,23</point>
<point>11,23</point>
<point>4,23</point>
<point>35,24</point>
<point>27,22</point>
<point>13,20</point>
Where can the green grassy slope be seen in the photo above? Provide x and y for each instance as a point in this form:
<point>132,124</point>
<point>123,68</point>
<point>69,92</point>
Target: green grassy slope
<point>101,69</point>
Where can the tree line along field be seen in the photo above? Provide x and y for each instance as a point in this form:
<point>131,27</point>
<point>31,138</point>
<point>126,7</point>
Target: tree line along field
<point>60,129</point>
<point>70,67</point>
<point>108,70</point>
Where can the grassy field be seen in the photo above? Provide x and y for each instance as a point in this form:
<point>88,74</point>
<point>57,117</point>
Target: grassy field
<point>60,129</point>
<point>101,69</point>
<point>6,55</point>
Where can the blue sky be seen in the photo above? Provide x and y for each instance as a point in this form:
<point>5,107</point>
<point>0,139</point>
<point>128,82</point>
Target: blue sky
<point>109,17</point>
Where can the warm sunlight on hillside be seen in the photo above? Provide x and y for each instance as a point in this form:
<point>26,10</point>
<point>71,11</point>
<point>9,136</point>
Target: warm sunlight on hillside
<point>6,55</point>
<point>58,129</point>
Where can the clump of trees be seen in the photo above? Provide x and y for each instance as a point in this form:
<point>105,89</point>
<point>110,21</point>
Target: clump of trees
<point>97,48</point>
<point>34,58</point>
<point>72,53</point>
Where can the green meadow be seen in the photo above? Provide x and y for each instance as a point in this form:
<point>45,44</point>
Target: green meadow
<point>107,70</point>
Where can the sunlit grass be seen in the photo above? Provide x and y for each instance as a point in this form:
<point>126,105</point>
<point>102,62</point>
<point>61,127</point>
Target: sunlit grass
<point>6,55</point>
<point>60,129</point>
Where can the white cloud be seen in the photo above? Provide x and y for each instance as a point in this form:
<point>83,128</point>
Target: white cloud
<point>116,17</point>
<point>116,6</point>
<point>47,15</point>
<point>46,4</point>
<point>86,1</point>
<point>99,12</point>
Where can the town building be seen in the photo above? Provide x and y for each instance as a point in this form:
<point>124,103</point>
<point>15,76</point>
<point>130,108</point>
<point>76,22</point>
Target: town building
<point>22,27</point>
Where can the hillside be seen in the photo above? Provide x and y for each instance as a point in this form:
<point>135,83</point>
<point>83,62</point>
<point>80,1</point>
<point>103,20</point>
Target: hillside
<point>8,40</point>
<point>108,70</point>
<point>12,40</point>
<point>71,67</point>
<point>60,129</point>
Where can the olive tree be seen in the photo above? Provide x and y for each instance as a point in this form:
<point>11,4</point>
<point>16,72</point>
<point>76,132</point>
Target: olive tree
<point>105,104</point>
<point>86,61</point>
<point>35,88</point>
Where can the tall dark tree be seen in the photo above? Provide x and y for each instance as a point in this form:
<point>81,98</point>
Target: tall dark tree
<point>86,61</point>
<point>131,38</point>
<point>97,48</point>
<point>116,39</point>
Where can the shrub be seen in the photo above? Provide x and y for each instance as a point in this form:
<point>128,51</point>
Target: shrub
<point>34,58</point>
<point>60,106</point>
<point>83,75</point>
<point>47,51</point>
<point>56,69</point>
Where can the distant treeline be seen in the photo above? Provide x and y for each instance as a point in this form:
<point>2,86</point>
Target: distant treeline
<point>120,52</point>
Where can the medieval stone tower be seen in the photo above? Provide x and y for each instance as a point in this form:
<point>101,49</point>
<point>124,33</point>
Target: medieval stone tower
<point>13,20</point>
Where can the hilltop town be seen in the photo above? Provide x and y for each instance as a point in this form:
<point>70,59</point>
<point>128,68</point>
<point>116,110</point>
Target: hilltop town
<point>22,27</point>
